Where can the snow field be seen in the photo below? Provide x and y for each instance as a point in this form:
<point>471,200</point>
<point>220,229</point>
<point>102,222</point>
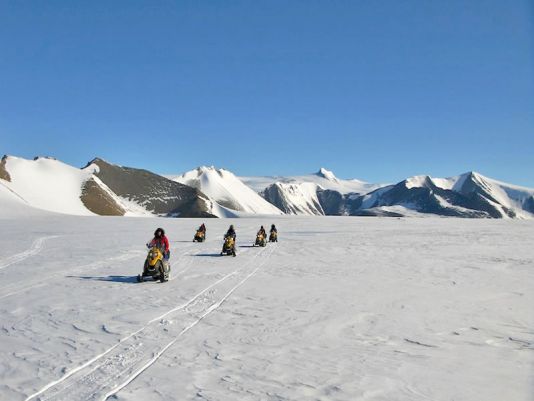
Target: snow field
<point>339,309</point>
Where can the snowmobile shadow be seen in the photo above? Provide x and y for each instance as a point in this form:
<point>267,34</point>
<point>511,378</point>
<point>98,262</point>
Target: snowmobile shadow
<point>247,246</point>
<point>189,242</point>
<point>116,279</point>
<point>208,255</point>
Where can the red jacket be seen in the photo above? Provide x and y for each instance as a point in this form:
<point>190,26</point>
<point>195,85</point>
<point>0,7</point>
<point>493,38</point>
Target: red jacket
<point>162,243</point>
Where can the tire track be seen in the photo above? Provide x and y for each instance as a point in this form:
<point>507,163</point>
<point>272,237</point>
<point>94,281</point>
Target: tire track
<point>117,366</point>
<point>34,249</point>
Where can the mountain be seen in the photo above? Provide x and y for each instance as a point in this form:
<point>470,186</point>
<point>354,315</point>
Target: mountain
<point>323,178</point>
<point>227,190</point>
<point>321,193</point>
<point>100,188</point>
<point>152,192</point>
<point>467,195</point>
<point>294,198</point>
<point>44,185</point>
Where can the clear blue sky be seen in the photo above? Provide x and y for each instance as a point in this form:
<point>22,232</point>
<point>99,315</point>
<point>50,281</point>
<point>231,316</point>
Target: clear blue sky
<point>376,90</point>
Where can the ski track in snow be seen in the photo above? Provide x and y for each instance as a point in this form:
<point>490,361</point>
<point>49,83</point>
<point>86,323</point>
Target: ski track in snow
<point>35,248</point>
<point>112,370</point>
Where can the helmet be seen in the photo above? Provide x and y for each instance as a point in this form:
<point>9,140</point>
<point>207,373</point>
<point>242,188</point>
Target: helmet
<point>159,231</point>
<point>231,226</point>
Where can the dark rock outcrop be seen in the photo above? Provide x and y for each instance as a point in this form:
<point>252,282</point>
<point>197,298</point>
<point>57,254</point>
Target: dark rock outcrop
<point>99,201</point>
<point>4,175</point>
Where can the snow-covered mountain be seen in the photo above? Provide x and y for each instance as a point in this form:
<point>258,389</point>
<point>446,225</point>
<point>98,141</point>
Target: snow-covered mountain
<point>323,178</point>
<point>46,183</point>
<point>100,188</point>
<point>152,192</point>
<point>227,190</point>
<point>294,198</point>
<point>467,195</point>
<point>314,194</point>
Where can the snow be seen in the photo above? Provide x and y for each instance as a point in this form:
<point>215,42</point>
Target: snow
<point>327,174</point>
<point>416,181</point>
<point>507,195</point>
<point>227,190</point>
<point>48,184</point>
<point>324,178</point>
<point>301,198</point>
<point>341,308</point>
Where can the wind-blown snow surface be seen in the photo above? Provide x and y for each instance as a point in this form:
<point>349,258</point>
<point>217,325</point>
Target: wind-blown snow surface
<point>340,309</point>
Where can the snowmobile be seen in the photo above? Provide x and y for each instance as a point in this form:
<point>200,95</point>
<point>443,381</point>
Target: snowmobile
<point>200,236</point>
<point>273,237</point>
<point>228,246</point>
<point>260,240</point>
<point>155,266</point>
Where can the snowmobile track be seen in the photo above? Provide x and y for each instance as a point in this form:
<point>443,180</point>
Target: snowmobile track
<point>36,247</point>
<point>17,288</point>
<point>112,370</point>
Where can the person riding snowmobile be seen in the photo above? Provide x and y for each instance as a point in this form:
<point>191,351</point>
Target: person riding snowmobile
<point>162,242</point>
<point>200,235</point>
<point>230,233</point>
<point>273,237</point>
<point>261,237</point>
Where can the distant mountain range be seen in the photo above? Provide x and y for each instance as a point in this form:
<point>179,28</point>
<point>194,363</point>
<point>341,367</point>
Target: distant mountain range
<point>103,188</point>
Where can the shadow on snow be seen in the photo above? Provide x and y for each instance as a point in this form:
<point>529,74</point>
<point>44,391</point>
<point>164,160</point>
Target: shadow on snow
<point>116,279</point>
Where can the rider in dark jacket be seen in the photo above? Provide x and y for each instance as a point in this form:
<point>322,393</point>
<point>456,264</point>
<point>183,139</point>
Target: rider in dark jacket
<point>230,232</point>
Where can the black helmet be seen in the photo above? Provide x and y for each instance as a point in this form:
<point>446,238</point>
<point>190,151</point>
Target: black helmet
<point>231,227</point>
<point>272,225</point>
<point>161,232</point>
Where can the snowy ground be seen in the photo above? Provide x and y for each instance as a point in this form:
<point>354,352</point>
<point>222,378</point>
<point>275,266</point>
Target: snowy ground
<point>339,309</point>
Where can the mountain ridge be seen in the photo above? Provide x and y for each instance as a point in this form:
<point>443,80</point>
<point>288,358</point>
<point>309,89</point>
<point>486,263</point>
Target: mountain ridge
<point>104,188</point>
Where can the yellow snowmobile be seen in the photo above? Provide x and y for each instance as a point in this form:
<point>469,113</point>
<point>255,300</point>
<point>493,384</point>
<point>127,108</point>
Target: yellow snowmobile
<point>155,266</point>
<point>273,237</point>
<point>228,246</point>
<point>200,236</point>
<point>260,240</point>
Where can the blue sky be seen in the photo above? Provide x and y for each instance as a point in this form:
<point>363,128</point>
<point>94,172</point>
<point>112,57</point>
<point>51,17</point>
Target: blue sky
<point>376,90</point>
